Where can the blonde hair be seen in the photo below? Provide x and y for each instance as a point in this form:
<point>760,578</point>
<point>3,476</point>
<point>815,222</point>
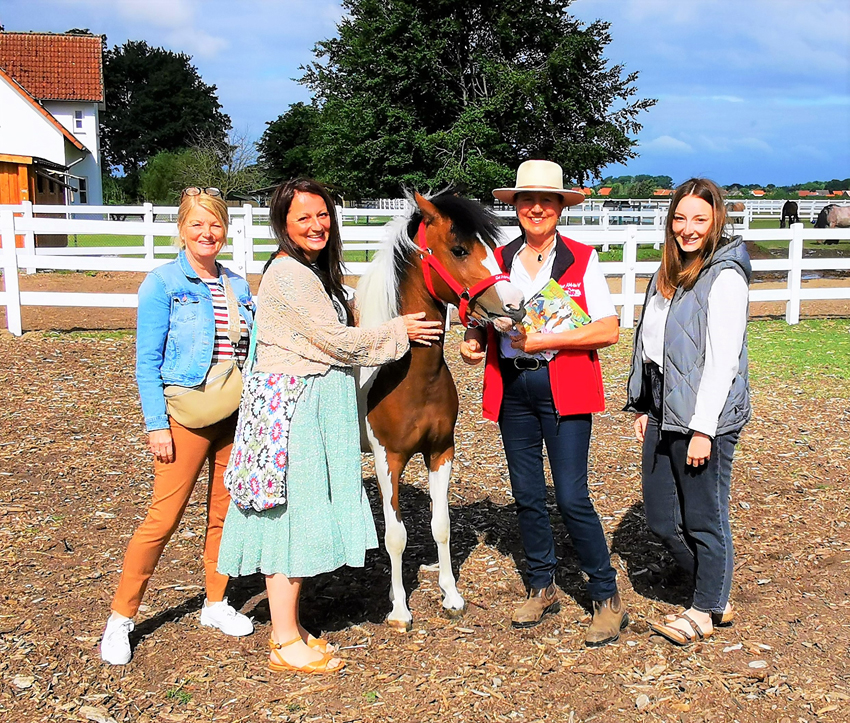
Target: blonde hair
<point>214,204</point>
<point>674,272</point>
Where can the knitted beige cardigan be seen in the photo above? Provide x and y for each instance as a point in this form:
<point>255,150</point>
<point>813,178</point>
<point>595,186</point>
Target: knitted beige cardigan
<point>299,332</point>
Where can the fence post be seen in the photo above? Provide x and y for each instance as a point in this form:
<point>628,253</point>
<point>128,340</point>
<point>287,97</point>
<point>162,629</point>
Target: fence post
<point>795,274</point>
<point>10,273</point>
<point>238,225</point>
<point>148,218</point>
<point>627,313</point>
<point>29,236</point>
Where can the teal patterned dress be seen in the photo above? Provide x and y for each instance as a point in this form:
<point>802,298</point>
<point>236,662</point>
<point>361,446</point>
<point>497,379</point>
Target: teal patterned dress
<point>326,521</point>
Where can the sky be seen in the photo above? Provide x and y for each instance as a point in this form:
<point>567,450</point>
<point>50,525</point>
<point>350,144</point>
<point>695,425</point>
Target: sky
<point>749,91</point>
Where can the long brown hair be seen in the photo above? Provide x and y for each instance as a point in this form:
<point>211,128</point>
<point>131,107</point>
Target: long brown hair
<point>674,272</point>
<point>328,265</point>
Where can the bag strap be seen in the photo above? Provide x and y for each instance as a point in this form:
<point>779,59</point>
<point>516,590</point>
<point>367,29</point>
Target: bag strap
<point>234,328</point>
<point>248,366</point>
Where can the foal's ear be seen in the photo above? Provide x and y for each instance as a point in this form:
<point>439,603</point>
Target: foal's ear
<point>429,211</point>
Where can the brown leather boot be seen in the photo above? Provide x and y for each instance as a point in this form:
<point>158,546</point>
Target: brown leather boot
<point>609,618</point>
<point>541,602</point>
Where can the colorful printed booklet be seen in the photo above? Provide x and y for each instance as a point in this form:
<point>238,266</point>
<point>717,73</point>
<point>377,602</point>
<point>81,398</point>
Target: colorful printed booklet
<point>550,311</point>
<point>553,310</point>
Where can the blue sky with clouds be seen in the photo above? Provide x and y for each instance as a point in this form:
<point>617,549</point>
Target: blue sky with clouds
<point>749,91</point>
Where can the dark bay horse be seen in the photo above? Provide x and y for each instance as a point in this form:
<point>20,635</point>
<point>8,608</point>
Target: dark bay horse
<point>442,255</point>
<point>790,212</point>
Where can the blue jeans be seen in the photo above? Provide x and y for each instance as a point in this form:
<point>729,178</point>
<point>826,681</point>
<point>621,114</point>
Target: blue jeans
<point>527,419</point>
<point>688,508</point>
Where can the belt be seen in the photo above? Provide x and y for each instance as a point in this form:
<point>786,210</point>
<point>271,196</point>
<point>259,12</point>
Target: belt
<point>524,363</point>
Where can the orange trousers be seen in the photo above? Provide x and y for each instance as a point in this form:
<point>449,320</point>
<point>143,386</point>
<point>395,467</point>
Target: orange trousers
<point>172,488</point>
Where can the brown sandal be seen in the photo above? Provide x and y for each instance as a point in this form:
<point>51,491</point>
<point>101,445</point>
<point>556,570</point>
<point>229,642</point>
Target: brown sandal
<point>316,667</point>
<point>680,637</point>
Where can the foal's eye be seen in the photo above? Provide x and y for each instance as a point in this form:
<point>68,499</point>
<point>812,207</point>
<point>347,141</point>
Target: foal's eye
<point>459,252</point>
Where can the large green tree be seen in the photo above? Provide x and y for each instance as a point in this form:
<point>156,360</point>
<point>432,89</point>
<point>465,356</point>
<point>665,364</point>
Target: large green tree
<point>461,91</point>
<point>155,101</point>
<point>286,146</point>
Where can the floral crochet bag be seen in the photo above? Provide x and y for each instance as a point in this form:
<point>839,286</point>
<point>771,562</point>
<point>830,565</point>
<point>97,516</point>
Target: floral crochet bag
<point>259,460</point>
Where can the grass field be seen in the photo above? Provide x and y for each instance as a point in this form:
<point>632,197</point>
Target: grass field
<point>815,350</point>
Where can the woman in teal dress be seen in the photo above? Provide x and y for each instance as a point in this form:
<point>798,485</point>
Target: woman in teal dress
<point>304,329</point>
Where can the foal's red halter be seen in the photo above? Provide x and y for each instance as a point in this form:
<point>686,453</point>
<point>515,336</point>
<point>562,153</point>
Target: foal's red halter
<point>467,295</point>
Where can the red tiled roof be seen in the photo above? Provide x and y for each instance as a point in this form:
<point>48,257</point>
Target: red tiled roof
<point>50,119</point>
<point>54,66</point>
<point>662,192</point>
<point>605,191</point>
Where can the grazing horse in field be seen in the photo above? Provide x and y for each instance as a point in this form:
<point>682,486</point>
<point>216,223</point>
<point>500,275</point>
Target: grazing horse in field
<point>442,255</point>
<point>791,212</point>
<point>832,216</point>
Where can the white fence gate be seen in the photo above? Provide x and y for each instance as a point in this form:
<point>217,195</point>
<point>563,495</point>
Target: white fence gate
<point>250,242</point>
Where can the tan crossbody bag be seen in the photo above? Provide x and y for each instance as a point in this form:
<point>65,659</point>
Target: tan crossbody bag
<point>218,396</point>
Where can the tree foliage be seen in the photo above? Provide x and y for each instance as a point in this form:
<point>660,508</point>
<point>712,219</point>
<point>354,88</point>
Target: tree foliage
<point>459,92</point>
<point>229,165</point>
<point>286,146</point>
<point>159,180</point>
<point>155,101</point>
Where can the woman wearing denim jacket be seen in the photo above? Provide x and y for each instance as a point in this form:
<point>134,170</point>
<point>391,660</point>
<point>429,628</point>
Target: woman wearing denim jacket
<point>182,330</point>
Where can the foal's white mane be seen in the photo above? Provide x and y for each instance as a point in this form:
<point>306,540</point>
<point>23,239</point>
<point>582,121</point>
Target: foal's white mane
<point>377,291</point>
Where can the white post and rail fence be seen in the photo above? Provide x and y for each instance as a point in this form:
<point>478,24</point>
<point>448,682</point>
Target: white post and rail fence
<point>131,245</point>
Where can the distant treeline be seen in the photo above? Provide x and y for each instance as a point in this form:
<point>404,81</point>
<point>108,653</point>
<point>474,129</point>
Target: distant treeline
<point>644,186</point>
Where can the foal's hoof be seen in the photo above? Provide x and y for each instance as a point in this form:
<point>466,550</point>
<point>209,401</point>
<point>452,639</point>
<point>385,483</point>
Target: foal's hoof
<point>454,613</point>
<point>401,626</point>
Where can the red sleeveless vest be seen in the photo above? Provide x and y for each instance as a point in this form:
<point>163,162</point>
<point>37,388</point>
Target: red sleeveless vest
<point>575,375</point>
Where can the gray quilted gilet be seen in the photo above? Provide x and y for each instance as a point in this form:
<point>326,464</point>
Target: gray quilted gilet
<point>684,350</point>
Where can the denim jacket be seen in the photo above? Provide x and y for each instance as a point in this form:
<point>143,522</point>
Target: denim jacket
<point>175,332</point>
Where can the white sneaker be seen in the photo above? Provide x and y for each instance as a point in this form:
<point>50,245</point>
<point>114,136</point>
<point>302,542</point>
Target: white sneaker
<point>222,616</point>
<point>115,645</point>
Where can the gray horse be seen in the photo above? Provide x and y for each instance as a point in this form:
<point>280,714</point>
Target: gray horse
<point>832,216</point>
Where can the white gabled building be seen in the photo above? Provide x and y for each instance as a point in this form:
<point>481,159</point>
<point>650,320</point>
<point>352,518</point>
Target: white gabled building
<point>51,92</point>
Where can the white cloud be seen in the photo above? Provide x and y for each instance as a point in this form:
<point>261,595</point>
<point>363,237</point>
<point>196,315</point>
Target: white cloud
<point>667,144</point>
<point>161,13</point>
<point>727,98</point>
<point>197,42</point>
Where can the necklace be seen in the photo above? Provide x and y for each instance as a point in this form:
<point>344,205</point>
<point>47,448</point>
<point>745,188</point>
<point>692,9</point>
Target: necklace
<point>540,251</point>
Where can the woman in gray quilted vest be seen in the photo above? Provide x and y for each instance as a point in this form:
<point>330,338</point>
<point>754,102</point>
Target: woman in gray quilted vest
<point>689,390</point>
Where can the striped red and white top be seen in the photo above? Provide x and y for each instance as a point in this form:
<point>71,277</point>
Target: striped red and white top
<point>223,349</point>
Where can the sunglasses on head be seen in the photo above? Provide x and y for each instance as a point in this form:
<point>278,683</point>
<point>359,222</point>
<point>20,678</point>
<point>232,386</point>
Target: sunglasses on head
<point>195,191</point>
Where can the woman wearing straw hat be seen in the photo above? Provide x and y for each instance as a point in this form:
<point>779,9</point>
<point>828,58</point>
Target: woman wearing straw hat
<point>544,387</point>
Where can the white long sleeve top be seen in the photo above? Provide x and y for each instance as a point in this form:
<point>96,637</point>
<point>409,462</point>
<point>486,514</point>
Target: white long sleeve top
<point>727,323</point>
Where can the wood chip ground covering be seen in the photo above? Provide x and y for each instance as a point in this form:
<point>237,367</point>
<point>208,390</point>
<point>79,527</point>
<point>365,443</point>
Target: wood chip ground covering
<point>75,478</point>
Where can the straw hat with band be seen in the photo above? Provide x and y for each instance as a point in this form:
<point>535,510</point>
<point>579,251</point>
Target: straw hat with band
<point>541,176</point>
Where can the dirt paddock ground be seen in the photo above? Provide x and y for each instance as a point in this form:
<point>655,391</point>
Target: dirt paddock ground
<point>75,477</point>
